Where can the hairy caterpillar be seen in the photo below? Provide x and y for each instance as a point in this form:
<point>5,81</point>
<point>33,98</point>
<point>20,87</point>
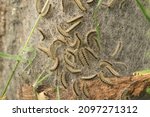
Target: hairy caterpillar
<point>84,55</point>
<point>91,52</point>
<point>79,54</point>
<point>103,79</point>
<point>85,90</point>
<point>45,50</point>
<point>62,32</point>
<point>42,33</point>
<point>89,1</point>
<point>114,72</point>
<point>67,61</point>
<point>73,26</point>
<point>105,63</point>
<point>79,4</point>
<point>72,69</point>
<point>63,80</point>
<point>117,49</point>
<point>76,88</point>
<point>55,65</point>
<point>75,19</point>
<point>89,77</point>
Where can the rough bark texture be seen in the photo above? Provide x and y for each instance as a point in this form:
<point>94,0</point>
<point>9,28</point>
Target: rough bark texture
<point>125,23</point>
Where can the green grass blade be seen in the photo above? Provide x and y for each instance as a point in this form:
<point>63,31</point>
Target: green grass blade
<point>144,10</point>
<point>148,90</point>
<point>9,56</point>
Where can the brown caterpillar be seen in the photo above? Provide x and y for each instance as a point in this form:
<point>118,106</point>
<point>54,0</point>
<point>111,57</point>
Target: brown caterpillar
<point>42,33</point>
<point>72,53</point>
<point>67,61</point>
<point>62,32</point>
<point>73,26</point>
<point>89,77</point>
<point>84,55</point>
<point>44,11</point>
<point>72,69</point>
<point>61,40</point>
<point>79,54</point>
<point>110,4</point>
<point>78,40</point>
<point>55,65</point>
<point>117,49</point>
<point>122,63</point>
<point>75,19</point>
<point>92,32</point>
<point>122,4</point>
<point>63,80</point>
<point>103,79</point>
<point>91,52</point>
<point>85,90</point>
<point>79,4</point>
<point>105,63</point>
<point>52,51</point>
<point>45,50</point>
<point>89,1</point>
<point>72,43</point>
<point>76,88</point>
<point>37,4</point>
<point>114,72</point>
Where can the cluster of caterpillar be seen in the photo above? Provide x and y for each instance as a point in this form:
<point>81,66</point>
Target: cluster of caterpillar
<point>77,52</point>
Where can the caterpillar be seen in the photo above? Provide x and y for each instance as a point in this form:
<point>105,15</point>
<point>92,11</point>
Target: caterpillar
<point>52,51</point>
<point>85,90</point>
<point>114,72</point>
<point>103,79</point>
<point>105,63</point>
<point>37,4</point>
<point>67,61</point>
<point>45,10</point>
<point>84,55</point>
<point>72,69</point>
<point>89,77</point>
<point>75,19</point>
<point>62,32</point>
<point>122,63</point>
<point>79,4</point>
<point>117,49</point>
<point>76,88</point>
<point>90,33</point>
<point>72,43</point>
<point>78,40</point>
<point>73,26</point>
<point>72,53</point>
<point>91,52</point>
<point>45,50</point>
<point>110,4</point>
<point>61,40</point>
<point>63,80</point>
<point>89,1</point>
<point>122,3</point>
<point>55,65</point>
<point>79,54</point>
<point>42,33</point>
